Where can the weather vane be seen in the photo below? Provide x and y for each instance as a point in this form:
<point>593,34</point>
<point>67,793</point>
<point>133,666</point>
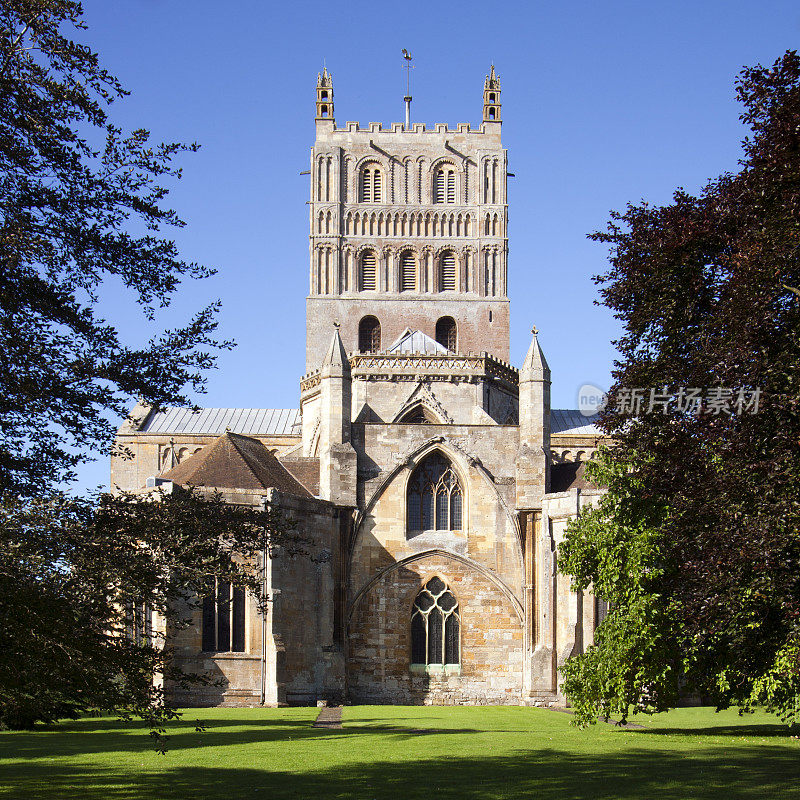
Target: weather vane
<point>407,98</point>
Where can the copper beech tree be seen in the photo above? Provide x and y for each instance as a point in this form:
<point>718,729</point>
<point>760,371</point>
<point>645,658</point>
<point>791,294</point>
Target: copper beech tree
<point>696,546</point>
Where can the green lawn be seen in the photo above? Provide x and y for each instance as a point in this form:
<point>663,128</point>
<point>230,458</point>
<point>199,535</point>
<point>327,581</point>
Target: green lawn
<point>388,752</point>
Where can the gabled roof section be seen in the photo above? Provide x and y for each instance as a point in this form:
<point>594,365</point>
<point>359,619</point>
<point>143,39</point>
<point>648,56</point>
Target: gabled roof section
<point>215,421</point>
<point>422,396</point>
<point>234,461</point>
<point>417,342</point>
<point>571,421</point>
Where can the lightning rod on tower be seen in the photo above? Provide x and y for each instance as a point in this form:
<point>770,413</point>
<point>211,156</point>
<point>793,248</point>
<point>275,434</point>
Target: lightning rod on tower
<point>407,98</point>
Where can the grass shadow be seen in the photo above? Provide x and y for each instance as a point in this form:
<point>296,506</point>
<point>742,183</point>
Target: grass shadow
<point>546,774</point>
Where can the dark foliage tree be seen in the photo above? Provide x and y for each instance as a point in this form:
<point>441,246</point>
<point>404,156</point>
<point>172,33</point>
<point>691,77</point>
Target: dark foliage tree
<point>697,544</point>
<point>80,579</point>
<point>81,203</point>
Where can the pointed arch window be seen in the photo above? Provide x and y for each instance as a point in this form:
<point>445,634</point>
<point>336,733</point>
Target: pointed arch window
<point>369,335</point>
<point>408,272</point>
<point>368,272</point>
<point>447,272</point>
<point>435,626</point>
<point>371,184</point>
<point>435,497</point>
<point>444,185</point>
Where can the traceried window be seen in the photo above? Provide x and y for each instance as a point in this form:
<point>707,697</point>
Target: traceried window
<point>408,272</point>
<point>447,272</point>
<point>368,272</point>
<point>371,184</point>
<point>223,620</point>
<point>444,185</point>
<point>369,335</point>
<point>446,333</point>
<point>435,626</point>
<point>434,499</point>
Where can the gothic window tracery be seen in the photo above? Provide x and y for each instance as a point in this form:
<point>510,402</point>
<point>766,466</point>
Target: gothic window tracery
<point>435,497</point>
<point>435,626</point>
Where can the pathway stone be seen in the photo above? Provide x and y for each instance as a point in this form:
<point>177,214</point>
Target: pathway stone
<point>329,717</point>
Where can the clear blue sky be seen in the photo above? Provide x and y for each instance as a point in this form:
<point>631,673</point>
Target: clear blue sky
<point>603,103</point>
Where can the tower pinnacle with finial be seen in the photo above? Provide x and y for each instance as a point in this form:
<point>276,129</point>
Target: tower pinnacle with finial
<point>324,95</point>
<point>491,97</point>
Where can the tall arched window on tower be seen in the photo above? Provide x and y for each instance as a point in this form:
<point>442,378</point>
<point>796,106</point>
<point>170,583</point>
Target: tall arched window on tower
<point>447,271</point>
<point>369,335</point>
<point>447,333</point>
<point>444,185</point>
<point>371,184</point>
<point>435,626</point>
<point>435,499</point>
<point>408,271</point>
<point>368,272</point>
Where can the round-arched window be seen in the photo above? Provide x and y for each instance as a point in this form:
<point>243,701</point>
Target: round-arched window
<point>447,333</point>
<point>369,335</point>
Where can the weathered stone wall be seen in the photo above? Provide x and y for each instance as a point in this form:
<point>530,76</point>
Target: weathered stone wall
<point>482,563</point>
<point>476,333</point>
<point>379,641</point>
<point>304,656</point>
<point>575,614</point>
<point>307,647</point>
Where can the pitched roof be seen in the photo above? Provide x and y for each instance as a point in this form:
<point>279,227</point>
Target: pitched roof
<point>416,342</point>
<point>573,422</point>
<point>234,461</point>
<point>215,421</point>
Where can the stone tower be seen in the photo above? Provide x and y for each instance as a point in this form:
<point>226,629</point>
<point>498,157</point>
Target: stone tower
<point>408,229</point>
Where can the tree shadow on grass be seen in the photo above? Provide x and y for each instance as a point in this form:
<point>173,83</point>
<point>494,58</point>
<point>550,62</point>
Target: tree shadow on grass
<point>744,773</point>
<point>764,731</point>
<point>75,739</point>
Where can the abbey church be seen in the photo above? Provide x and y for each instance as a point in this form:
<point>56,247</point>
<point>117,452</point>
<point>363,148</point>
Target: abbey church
<point>431,476</point>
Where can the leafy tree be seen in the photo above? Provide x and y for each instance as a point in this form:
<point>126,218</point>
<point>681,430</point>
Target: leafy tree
<point>79,576</point>
<point>697,543</point>
<point>81,203</point>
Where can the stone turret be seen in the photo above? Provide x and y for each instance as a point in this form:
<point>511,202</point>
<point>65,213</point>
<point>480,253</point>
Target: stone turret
<point>324,116</point>
<point>337,456</point>
<point>491,98</point>
<point>534,428</point>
